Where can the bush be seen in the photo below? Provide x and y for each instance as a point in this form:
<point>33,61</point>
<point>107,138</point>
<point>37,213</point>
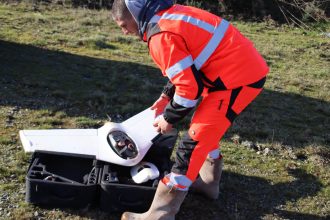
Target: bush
<point>290,11</point>
<point>93,4</point>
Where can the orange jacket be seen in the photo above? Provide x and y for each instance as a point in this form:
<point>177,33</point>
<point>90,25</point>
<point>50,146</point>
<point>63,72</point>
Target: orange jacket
<point>195,48</point>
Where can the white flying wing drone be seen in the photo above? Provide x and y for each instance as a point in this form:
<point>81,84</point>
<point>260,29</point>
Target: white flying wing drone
<point>123,143</point>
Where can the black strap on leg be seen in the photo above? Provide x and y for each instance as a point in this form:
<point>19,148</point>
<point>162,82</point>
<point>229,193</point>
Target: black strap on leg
<point>216,85</point>
<point>231,115</point>
<point>259,84</point>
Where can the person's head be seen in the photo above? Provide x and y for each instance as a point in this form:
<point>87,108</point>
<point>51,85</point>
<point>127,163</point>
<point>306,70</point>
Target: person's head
<point>125,13</point>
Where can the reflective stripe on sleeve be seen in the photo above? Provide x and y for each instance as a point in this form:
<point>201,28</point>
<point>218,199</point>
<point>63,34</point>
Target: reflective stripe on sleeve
<point>179,67</point>
<point>188,103</point>
<point>212,44</point>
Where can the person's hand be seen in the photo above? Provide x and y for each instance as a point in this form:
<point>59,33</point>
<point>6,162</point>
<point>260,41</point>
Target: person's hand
<point>162,126</point>
<point>160,104</point>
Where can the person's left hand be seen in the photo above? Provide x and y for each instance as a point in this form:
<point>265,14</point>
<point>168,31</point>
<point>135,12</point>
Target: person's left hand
<point>162,126</point>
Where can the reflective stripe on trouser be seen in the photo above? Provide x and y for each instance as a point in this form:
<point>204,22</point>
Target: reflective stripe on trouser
<point>182,182</point>
<point>211,120</point>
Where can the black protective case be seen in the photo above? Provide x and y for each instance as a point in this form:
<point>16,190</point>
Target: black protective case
<point>62,180</point>
<point>76,181</point>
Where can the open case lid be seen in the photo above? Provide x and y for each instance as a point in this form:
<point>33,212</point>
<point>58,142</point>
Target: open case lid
<point>95,142</point>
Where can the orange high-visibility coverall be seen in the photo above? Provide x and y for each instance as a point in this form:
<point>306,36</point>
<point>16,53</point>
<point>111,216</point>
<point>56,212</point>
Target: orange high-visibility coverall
<point>203,55</point>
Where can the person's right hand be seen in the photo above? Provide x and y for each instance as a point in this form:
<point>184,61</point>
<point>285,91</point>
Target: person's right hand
<point>160,104</point>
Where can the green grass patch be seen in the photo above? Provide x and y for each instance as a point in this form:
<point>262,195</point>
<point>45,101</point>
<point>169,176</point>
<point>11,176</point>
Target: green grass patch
<point>64,67</point>
<point>84,122</point>
<point>5,140</point>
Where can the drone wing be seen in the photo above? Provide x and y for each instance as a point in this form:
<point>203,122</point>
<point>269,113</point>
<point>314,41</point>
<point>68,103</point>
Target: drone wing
<point>75,141</point>
<point>141,125</point>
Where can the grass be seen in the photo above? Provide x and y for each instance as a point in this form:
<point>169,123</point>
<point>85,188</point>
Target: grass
<point>68,68</point>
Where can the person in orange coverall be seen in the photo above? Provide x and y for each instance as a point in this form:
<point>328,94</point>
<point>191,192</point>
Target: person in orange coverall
<point>205,58</point>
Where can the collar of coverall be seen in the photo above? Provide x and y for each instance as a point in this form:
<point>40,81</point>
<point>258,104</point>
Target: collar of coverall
<point>143,10</point>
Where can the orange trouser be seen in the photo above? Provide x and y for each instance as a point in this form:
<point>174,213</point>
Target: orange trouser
<point>212,118</point>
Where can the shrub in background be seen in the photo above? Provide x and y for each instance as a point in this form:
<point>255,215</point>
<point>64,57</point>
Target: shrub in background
<point>289,11</point>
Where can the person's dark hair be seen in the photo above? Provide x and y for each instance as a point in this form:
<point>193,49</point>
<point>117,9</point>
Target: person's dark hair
<point>119,10</point>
